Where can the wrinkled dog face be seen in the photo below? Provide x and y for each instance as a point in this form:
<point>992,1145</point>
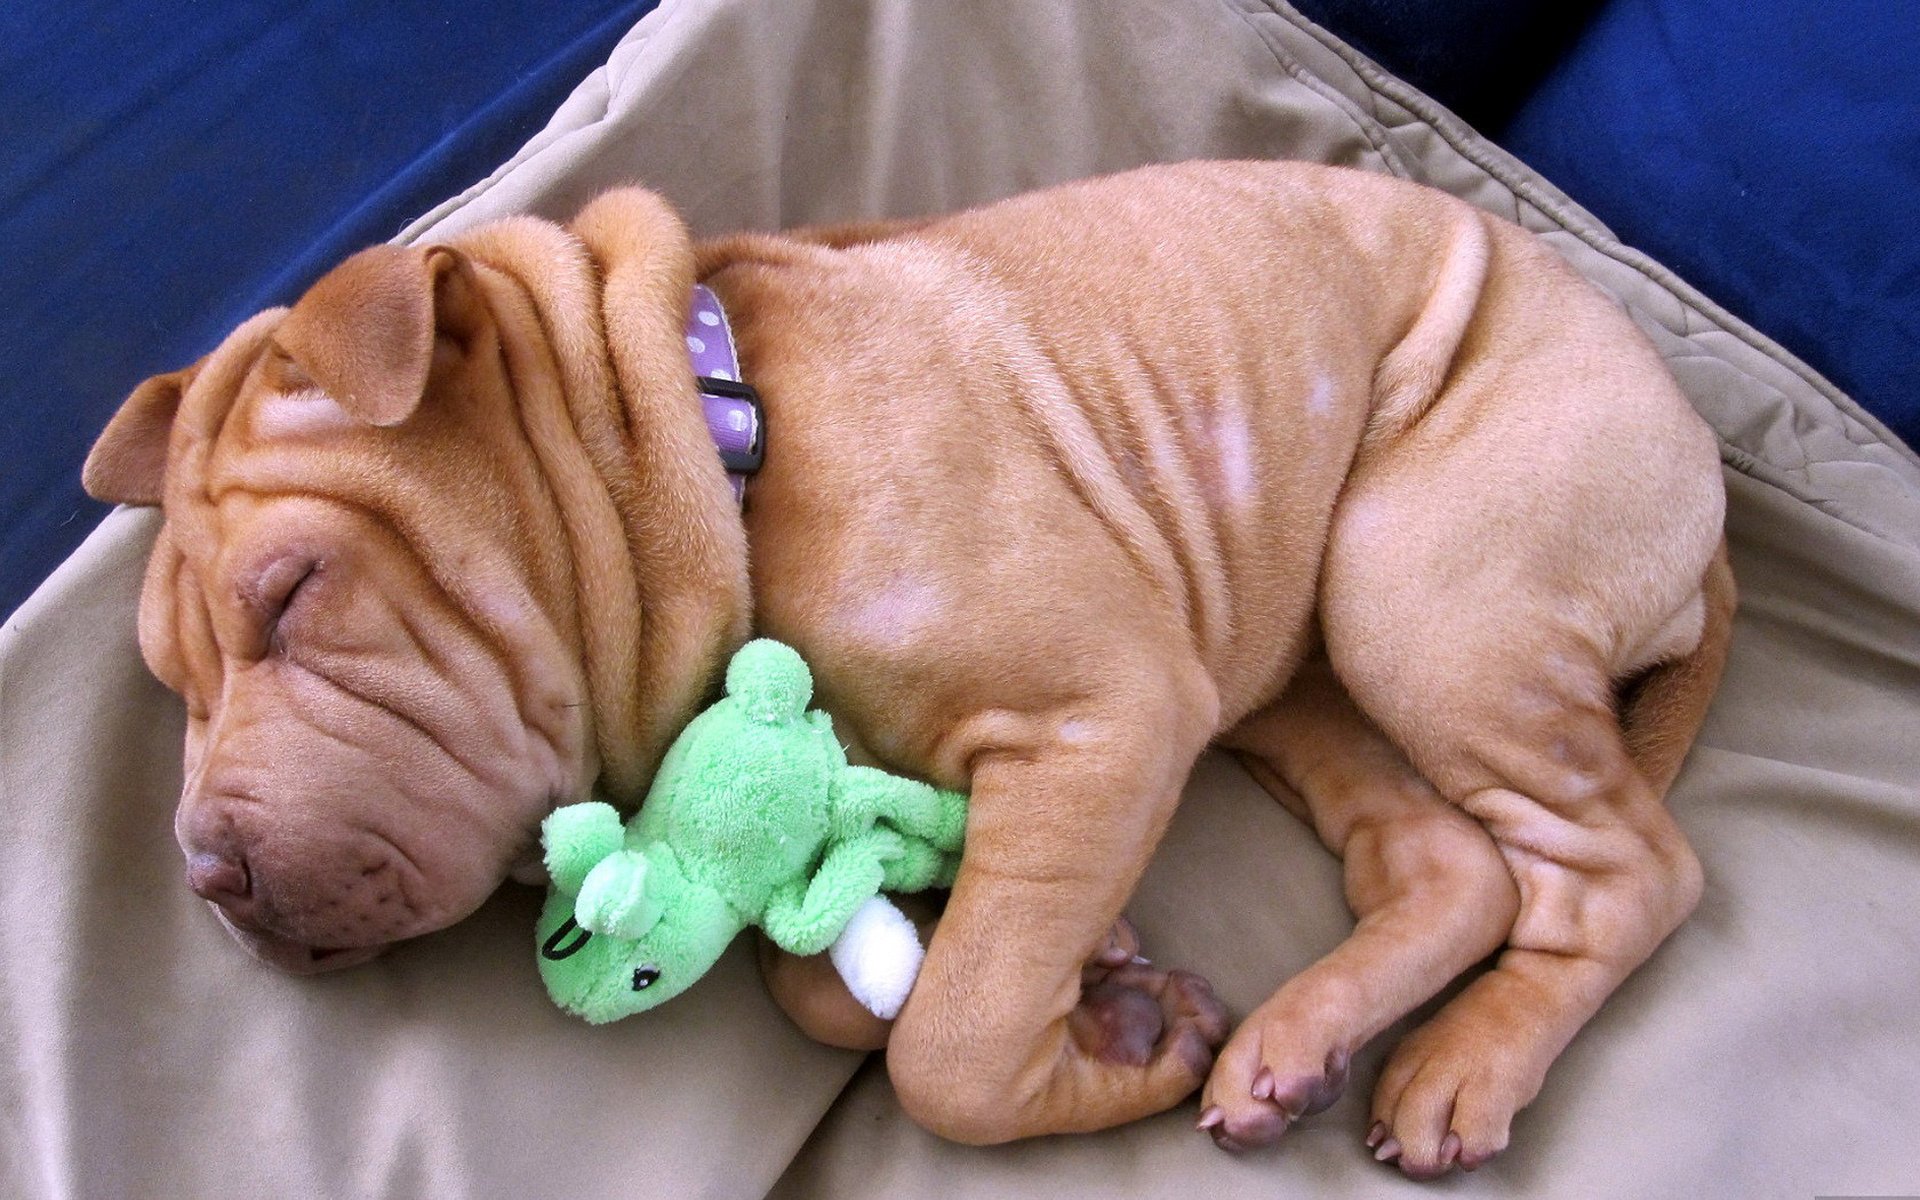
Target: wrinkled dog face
<point>363,595</point>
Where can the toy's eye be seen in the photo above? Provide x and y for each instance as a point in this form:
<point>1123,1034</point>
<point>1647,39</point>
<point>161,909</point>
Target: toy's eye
<point>643,977</point>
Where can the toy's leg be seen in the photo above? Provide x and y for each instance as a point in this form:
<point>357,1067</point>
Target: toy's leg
<point>878,955</point>
<point>917,867</point>
<point>1000,1038</point>
<point>815,998</point>
<point>1431,893</point>
<point>805,918</point>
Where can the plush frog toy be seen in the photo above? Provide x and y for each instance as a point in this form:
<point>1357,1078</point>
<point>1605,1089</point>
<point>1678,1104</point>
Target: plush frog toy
<point>754,818</point>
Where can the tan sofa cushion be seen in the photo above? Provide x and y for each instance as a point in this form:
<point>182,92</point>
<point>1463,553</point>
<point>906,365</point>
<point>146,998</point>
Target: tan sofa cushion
<point>1769,1048</point>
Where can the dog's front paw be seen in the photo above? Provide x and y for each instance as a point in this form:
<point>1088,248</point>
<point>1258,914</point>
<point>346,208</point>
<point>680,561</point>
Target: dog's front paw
<point>1136,1015</point>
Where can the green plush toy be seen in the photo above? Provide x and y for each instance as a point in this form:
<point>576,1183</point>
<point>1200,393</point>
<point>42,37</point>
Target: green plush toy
<point>755,818</point>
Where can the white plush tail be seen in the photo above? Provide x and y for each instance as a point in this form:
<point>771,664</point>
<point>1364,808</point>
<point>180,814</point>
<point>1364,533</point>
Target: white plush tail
<point>878,955</point>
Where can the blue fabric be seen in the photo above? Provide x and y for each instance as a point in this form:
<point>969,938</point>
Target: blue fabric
<point>1769,152</point>
<point>172,168</point>
<point>1480,58</point>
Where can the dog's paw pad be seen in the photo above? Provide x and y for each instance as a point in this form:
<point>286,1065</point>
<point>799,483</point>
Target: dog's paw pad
<point>1117,1024</point>
<point>1198,1021</point>
<point>1189,1000</point>
<point>1136,1014</point>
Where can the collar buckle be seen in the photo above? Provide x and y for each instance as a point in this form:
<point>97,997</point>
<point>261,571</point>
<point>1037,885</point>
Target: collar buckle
<point>737,422</point>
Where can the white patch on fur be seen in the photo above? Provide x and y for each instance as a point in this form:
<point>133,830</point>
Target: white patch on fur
<point>299,414</point>
<point>1320,399</point>
<point>1359,523</point>
<point>1076,732</point>
<point>900,612</point>
<point>1233,444</point>
<point>878,955</point>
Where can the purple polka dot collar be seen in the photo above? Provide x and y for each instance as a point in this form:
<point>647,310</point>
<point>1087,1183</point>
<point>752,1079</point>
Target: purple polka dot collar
<point>733,412</point>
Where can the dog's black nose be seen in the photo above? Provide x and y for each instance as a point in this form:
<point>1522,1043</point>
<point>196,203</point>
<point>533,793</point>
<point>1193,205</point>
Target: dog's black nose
<point>225,881</point>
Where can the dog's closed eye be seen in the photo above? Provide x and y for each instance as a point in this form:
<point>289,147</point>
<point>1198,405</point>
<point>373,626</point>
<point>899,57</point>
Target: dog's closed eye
<point>274,590</point>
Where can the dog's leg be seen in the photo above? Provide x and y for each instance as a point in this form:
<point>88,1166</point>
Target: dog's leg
<point>1429,889</point>
<point>814,997</point>
<point>1504,699</point>
<point>1604,876</point>
<point>1001,1038</point>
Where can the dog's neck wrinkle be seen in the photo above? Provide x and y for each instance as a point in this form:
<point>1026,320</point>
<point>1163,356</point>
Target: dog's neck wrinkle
<point>660,586</point>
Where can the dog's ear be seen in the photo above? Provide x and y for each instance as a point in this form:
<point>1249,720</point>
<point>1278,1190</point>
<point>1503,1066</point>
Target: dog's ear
<point>128,461</point>
<point>365,332</point>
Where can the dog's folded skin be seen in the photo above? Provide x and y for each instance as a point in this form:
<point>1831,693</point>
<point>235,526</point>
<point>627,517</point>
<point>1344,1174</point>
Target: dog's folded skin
<point>1058,493</point>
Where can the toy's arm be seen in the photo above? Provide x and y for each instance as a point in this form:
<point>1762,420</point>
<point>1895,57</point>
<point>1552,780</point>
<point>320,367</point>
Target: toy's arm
<point>804,918</point>
<point>864,795</point>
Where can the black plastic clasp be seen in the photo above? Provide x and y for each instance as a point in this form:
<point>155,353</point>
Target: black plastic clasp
<point>743,462</point>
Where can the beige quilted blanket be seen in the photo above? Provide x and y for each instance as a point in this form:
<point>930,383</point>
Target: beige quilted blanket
<point>1771,1048</point>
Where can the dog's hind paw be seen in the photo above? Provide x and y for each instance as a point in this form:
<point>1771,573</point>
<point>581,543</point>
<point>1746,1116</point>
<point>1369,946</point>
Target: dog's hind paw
<point>1447,1097</point>
<point>1257,1091</point>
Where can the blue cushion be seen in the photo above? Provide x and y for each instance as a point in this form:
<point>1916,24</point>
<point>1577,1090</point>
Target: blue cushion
<point>171,169</point>
<point>1769,152</point>
<point>1480,58</point>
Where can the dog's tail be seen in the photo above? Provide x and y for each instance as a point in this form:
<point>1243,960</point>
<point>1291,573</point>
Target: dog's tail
<point>1412,373</point>
<point>1661,711</point>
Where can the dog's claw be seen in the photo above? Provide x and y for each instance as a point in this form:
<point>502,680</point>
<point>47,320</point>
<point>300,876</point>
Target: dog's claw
<point>1119,950</point>
<point>1211,1117</point>
<point>1377,1134</point>
<point>1389,1149</point>
<point>1263,1084</point>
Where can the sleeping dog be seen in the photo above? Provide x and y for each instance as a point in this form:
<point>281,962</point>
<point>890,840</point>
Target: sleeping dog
<point>1324,468</point>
